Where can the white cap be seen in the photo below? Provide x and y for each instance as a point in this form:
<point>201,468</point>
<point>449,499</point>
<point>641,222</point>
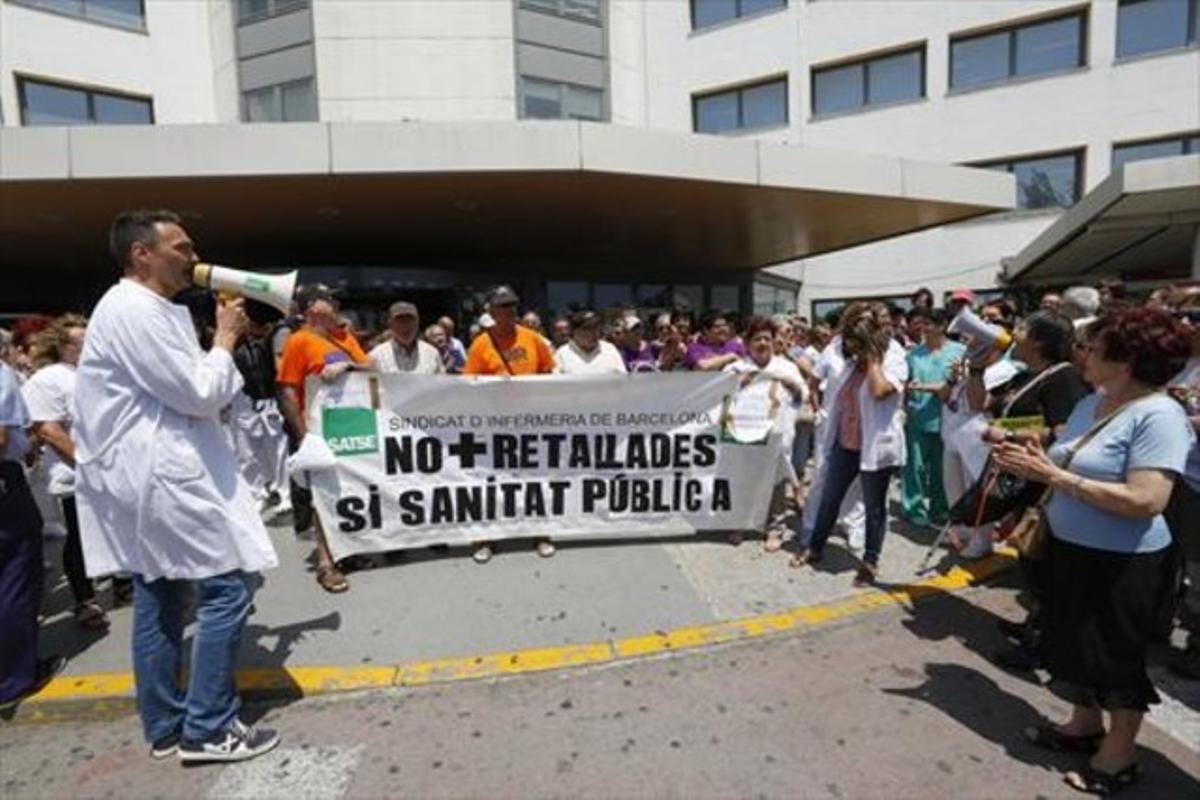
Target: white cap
<point>486,321</point>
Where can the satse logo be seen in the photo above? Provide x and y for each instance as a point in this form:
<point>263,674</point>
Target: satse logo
<point>350,431</point>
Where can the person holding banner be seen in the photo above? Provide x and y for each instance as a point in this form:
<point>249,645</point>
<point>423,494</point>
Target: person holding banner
<point>405,351</point>
<point>506,348</point>
<point>586,353</point>
<point>324,349</point>
<point>762,360</point>
<point>159,492</point>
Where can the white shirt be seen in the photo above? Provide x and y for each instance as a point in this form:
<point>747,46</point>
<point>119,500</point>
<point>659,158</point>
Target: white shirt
<point>50,396</point>
<point>423,359</point>
<point>157,483</point>
<point>781,369</point>
<point>13,415</point>
<point>882,420</point>
<point>570,359</point>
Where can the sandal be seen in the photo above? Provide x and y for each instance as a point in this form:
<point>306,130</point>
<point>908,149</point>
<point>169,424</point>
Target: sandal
<point>1105,784</point>
<point>1051,738</point>
<point>90,616</point>
<point>331,579</point>
<point>803,559</point>
<point>773,543</point>
<point>865,576</point>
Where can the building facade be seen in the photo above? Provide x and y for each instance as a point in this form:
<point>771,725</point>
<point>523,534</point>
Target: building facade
<point>1055,92</point>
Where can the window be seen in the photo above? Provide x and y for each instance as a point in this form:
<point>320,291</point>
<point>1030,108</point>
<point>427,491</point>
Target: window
<point>255,10</point>
<point>762,105</point>
<point>563,297</point>
<point>892,78</point>
<point>294,101</point>
<point>129,14</point>
<point>725,296</point>
<point>587,10</point>
<point>553,100</point>
<point>1148,26</point>
<point>706,13</point>
<point>45,103</point>
<point>1160,148</point>
<point>1045,181</point>
<point>1036,48</point>
<point>770,300</point>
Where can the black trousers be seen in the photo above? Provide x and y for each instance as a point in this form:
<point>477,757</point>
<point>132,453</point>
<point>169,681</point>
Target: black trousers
<point>20,582</point>
<point>73,567</point>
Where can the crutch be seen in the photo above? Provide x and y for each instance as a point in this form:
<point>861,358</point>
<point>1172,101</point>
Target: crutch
<point>993,475</point>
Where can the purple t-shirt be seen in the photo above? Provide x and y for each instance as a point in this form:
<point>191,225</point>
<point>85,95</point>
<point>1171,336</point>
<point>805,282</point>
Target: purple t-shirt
<point>641,360</point>
<point>698,351</point>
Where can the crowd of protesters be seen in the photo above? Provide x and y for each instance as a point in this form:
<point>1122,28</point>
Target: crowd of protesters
<point>1092,394</point>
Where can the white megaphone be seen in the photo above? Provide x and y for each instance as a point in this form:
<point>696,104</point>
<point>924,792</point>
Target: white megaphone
<point>274,290</point>
<point>985,337</point>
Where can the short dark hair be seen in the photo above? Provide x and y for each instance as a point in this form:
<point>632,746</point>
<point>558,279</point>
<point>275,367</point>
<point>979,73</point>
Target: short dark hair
<point>1053,333</point>
<point>130,227</point>
<point>709,318</point>
<point>918,312</point>
<point>938,316</point>
<point>1151,342</point>
<point>756,325</point>
<point>682,313</point>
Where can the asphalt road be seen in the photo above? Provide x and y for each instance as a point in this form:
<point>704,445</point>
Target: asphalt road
<point>898,703</point>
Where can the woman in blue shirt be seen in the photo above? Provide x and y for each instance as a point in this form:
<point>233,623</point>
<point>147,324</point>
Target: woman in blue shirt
<point>1111,553</point>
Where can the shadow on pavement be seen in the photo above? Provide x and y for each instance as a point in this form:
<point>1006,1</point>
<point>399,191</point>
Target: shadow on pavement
<point>978,703</point>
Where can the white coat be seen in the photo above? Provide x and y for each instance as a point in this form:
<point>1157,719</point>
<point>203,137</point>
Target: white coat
<point>882,420</point>
<point>157,483</point>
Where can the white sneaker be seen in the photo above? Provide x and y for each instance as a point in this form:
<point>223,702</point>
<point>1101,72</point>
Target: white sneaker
<point>240,742</point>
<point>546,548</point>
<point>482,554</point>
<point>856,538</point>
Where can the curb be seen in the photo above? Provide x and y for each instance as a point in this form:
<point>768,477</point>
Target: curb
<point>109,694</point>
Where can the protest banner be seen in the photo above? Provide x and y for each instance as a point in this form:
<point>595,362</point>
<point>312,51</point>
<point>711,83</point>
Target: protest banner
<point>424,460</point>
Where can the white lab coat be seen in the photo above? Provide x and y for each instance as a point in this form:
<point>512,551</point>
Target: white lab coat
<point>157,484</point>
<point>882,420</point>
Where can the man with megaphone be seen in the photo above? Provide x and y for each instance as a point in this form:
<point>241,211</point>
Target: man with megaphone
<point>159,493</point>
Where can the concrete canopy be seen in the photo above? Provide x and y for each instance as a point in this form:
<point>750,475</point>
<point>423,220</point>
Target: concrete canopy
<point>1141,222</point>
<point>554,194</point>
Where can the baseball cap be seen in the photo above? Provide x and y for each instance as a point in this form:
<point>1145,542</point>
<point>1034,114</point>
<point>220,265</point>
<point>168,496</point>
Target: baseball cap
<point>402,308</point>
<point>312,292</point>
<point>630,322</point>
<point>502,296</point>
<point>965,295</point>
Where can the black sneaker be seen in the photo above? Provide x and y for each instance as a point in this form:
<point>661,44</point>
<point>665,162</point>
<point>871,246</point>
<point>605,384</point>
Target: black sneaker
<point>239,742</point>
<point>47,669</point>
<point>166,746</point>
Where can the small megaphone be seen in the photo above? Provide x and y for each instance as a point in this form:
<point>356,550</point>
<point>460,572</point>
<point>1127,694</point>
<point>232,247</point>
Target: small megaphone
<point>984,337</point>
<point>274,290</point>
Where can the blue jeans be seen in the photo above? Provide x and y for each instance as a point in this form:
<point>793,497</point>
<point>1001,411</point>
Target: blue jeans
<point>210,702</point>
<point>842,467</point>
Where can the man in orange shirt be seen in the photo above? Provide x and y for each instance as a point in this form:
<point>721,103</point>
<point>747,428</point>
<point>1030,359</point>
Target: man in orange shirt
<point>322,347</point>
<point>506,348</point>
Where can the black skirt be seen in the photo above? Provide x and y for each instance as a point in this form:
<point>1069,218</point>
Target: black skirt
<point>1101,612</point>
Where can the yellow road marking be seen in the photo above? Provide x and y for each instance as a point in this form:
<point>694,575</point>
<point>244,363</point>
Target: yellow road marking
<point>113,691</point>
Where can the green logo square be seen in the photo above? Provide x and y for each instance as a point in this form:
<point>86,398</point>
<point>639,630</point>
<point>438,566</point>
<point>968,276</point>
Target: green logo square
<point>350,431</point>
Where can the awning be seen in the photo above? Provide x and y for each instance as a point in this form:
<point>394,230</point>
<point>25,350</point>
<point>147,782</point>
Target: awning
<point>1139,223</point>
<point>558,194</point>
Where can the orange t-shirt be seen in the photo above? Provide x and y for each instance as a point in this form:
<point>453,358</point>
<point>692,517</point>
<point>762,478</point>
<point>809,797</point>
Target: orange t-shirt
<point>526,351</point>
<point>307,353</point>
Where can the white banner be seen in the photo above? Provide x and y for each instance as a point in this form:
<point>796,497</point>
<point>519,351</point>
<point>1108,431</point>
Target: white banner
<point>427,460</point>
